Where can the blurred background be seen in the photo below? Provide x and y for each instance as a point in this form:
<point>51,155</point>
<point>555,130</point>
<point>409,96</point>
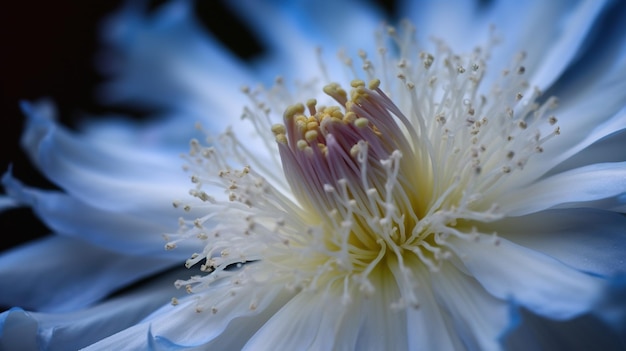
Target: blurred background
<point>49,49</point>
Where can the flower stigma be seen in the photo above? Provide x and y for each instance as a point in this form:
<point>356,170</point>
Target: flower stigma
<point>379,181</point>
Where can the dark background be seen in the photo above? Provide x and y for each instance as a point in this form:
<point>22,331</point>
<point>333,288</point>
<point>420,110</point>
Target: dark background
<point>48,49</point>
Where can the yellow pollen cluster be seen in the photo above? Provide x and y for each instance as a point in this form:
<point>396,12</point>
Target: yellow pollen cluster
<point>310,130</point>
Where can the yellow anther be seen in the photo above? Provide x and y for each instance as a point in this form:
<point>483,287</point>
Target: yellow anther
<point>337,114</point>
<point>310,135</point>
<point>361,122</point>
<point>350,117</point>
<point>374,84</point>
<point>302,144</point>
<point>281,138</point>
<point>354,150</point>
<point>357,83</point>
<point>335,91</point>
<point>312,125</point>
<point>278,129</point>
<point>310,104</point>
<point>293,110</point>
<point>301,123</point>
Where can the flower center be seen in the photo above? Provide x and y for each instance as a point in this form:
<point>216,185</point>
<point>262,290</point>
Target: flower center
<point>347,167</point>
<point>375,186</point>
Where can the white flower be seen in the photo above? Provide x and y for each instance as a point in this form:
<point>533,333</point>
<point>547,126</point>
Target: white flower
<point>415,194</point>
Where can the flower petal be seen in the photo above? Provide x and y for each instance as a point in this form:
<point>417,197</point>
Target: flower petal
<point>611,148</point>
<point>594,182</point>
<point>540,283</point>
<point>21,330</point>
<point>166,59</point>
<point>478,317</point>
<point>588,240</point>
<point>430,327</point>
<point>106,178</point>
<point>293,37</point>
<point>183,327</point>
<point>88,274</point>
<point>583,120</point>
<point>564,26</point>
<point>128,233</point>
<point>7,202</point>
<point>300,324</point>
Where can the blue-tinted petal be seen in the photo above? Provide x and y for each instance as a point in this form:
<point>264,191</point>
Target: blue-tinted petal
<point>184,327</point>
<point>564,25</point>
<point>584,120</point>
<point>21,330</point>
<point>532,279</point>
<point>299,28</point>
<point>58,274</point>
<point>129,233</point>
<point>575,188</point>
<point>7,202</point>
<point>166,59</point>
<point>589,240</point>
<point>119,180</point>
<point>603,55</point>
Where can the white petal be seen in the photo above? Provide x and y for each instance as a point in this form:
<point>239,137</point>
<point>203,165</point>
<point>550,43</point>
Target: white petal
<point>430,327</point>
<point>322,322</point>
<point>307,321</point>
<point>478,317</point>
<point>573,188</point>
<point>530,278</point>
<point>181,326</point>
<point>383,328</point>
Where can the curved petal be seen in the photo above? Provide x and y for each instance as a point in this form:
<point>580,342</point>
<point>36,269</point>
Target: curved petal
<point>184,327</point>
<point>478,317</point>
<point>588,240</point>
<point>583,120</point>
<point>298,28</point>
<point>128,233</point>
<point>30,278</point>
<point>300,324</point>
<point>611,148</point>
<point>429,327</point>
<point>573,188</point>
<point>7,202</point>
<point>21,330</point>
<point>565,25</point>
<point>166,59</point>
<point>355,325</point>
<point>107,178</point>
<point>603,55</point>
<point>532,279</point>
